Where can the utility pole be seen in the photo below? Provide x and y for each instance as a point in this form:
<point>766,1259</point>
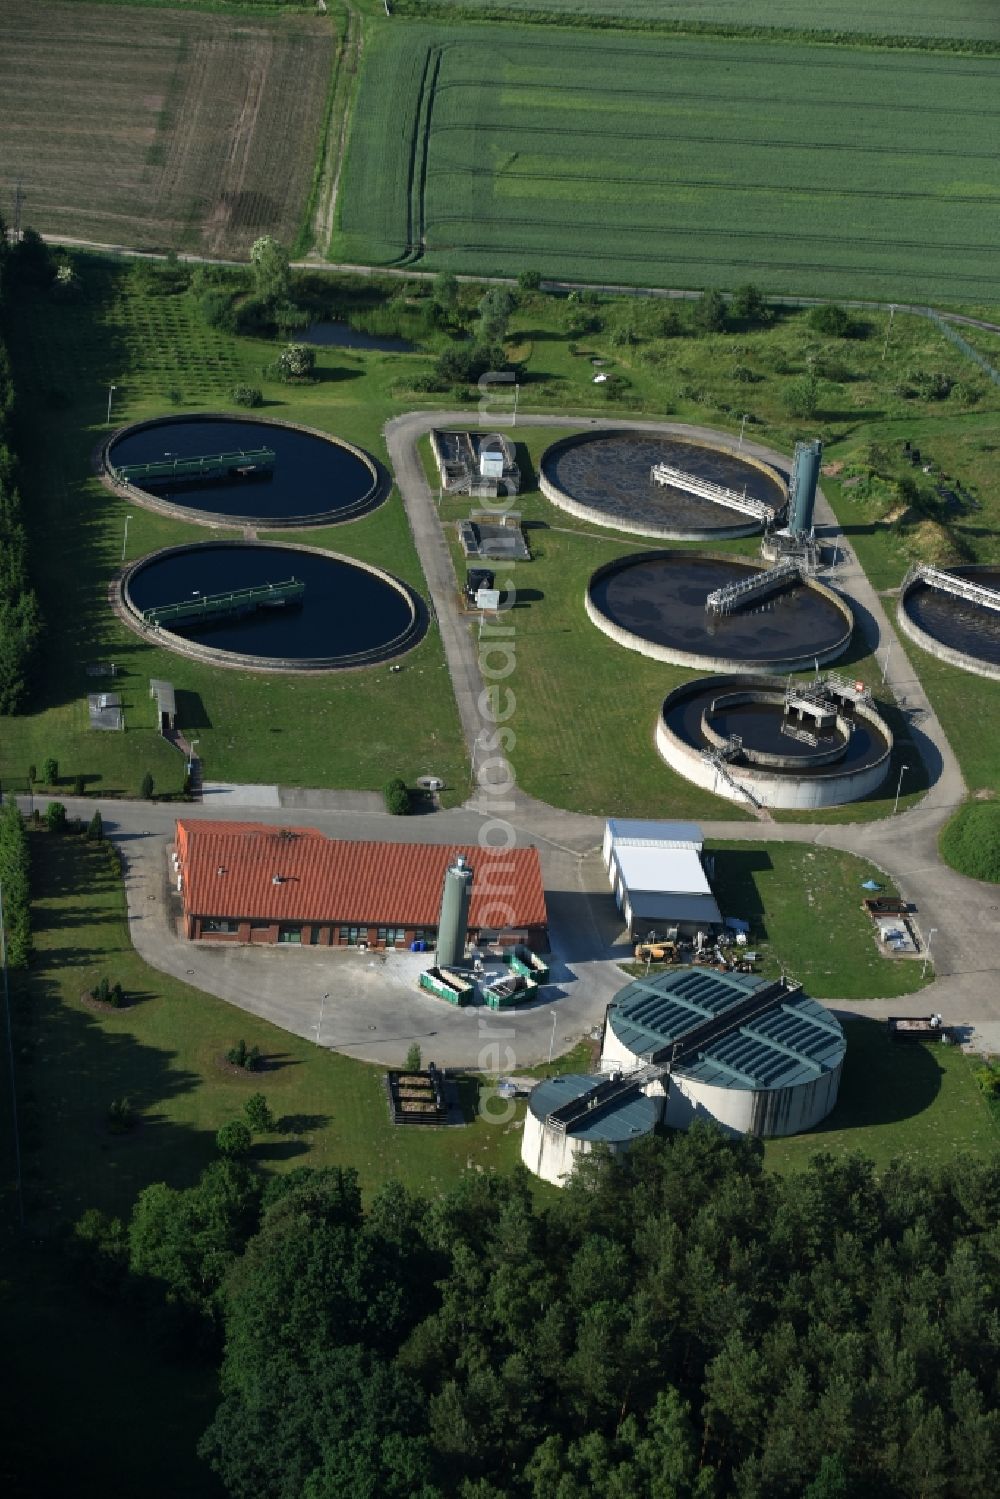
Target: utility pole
<point>885,346</point>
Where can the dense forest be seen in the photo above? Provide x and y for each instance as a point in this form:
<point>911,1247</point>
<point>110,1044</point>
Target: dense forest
<point>20,620</point>
<point>685,1324</point>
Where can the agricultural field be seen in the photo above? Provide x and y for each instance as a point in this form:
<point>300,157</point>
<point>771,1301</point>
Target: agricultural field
<point>159,128</point>
<point>675,161</point>
<point>962,20</point>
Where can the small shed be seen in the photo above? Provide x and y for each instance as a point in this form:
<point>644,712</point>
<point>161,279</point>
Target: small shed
<point>166,707</point>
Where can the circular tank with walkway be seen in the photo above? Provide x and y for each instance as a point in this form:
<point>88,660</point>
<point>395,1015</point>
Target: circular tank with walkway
<point>659,603</point>
<point>607,478</point>
<point>231,470</point>
<point>550,1146</point>
<point>775,743</point>
<point>269,606</point>
<point>955,626</point>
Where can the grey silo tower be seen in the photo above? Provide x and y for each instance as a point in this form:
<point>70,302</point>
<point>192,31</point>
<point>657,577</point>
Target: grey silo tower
<point>453,922</point>
<point>805,477</point>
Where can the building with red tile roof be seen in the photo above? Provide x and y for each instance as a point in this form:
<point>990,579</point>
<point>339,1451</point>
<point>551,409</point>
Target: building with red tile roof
<point>251,882</point>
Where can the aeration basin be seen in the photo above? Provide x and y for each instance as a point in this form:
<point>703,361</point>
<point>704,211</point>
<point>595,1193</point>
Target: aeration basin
<point>229,470</point>
<point>775,743</point>
<point>300,609</point>
<point>606,478</point>
<point>657,603</point>
<point>952,628</point>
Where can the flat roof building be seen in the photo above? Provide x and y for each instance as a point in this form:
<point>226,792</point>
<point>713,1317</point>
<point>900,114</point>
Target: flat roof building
<point>251,882</point>
<point>657,874</point>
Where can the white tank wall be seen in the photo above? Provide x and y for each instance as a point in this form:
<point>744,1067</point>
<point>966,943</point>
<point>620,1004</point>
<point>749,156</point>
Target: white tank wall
<point>975,664</point>
<point>745,1111</point>
<point>643,528</point>
<point>794,793</point>
<point>551,1154</point>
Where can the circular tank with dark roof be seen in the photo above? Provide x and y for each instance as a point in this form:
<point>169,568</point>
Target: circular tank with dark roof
<point>567,1116</point>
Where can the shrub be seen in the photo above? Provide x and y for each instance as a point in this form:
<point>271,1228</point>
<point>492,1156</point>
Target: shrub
<point>831,319</point>
<point>95,827</point>
<point>215,308</point>
<point>102,991</point>
<point>258,1116</point>
<point>50,771</point>
<point>234,1139</point>
<point>397,797</point>
<point>929,385</point>
<point>709,313</point>
<point>242,1055</point>
<point>246,395</point>
<point>116,998</point>
<point>970,842</point>
<point>32,774</point>
<point>296,362</point>
<point>121,1116</point>
<point>529,280</point>
<point>55,817</point>
<point>747,304</point>
<point>79,784</point>
<point>801,396</point>
<point>413,1059</point>
<point>988,1078</point>
<point>147,787</point>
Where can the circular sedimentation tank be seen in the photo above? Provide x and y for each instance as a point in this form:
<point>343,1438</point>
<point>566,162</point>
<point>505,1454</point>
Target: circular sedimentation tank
<point>309,478</point>
<point>656,603</point>
<point>605,477</point>
<point>797,747</point>
<point>955,629</point>
<point>339,613</point>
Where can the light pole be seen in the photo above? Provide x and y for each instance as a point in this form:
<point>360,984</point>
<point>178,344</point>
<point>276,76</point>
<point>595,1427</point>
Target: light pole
<point>927,951</point>
<point>552,1038</point>
<point>125,537</point>
<point>743,424</point>
<point>885,346</point>
<point>319,1023</point>
<point>885,663</point>
<point>111,391</point>
<point>899,787</point>
<point>516,389</point>
<point>191,755</point>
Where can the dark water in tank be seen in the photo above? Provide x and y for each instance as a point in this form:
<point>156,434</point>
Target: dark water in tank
<point>310,477</point>
<point>609,471</point>
<point>663,601</point>
<point>345,609</point>
<point>760,727</point>
<point>957,622</point>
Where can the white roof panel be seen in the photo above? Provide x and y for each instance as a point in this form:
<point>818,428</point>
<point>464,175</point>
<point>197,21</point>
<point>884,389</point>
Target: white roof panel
<point>677,870</point>
<point>626,830</point>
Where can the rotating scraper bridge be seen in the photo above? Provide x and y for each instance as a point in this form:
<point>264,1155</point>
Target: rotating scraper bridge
<point>676,478</point>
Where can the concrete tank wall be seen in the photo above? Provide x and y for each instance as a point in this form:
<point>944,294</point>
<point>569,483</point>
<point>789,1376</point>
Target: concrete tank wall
<point>766,1113</point>
<point>632,528</point>
<point>794,793</point>
<point>933,647</point>
<point>552,1153</point>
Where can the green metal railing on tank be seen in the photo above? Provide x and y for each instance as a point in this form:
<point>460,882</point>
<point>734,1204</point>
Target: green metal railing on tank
<point>245,463</point>
<point>237,601</point>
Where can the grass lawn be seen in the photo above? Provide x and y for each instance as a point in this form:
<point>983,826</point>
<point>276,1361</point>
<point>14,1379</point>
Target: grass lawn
<point>804,907</point>
<point>918,1103</point>
<point>163,1053</point>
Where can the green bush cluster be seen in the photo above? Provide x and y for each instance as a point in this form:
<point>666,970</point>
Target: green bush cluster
<point>15,873</point>
<point>107,993</point>
<point>970,842</point>
<point>397,797</point>
<point>20,616</point>
<point>242,1055</point>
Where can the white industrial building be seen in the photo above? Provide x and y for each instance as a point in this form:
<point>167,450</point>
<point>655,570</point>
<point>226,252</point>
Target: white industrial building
<point>657,875</point>
<point>754,1056</point>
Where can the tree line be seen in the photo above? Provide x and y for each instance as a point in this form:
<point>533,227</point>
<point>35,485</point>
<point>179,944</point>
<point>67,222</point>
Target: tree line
<point>685,1325</point>
<point>20,616</point>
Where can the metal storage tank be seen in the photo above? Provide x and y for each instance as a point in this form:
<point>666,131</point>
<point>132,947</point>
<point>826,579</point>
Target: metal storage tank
<point>802,490</point>
<point>770,1061</point>
<point>453,922</point>
<point>592,1109</point>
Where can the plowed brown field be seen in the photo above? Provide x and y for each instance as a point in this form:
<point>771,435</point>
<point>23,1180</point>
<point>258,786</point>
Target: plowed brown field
<point>162,129</point>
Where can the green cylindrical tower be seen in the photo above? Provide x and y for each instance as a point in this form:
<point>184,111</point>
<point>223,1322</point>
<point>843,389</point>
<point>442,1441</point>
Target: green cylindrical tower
<point>453,922</point>
<point>802,490</point>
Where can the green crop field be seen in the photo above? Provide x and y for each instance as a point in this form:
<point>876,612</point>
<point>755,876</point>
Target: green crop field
<point>967,20</point>
<point>675,161</point>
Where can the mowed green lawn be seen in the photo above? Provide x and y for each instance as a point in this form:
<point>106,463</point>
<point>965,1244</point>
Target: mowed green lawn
<point>917,1103</point>
<point>674,161</point>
